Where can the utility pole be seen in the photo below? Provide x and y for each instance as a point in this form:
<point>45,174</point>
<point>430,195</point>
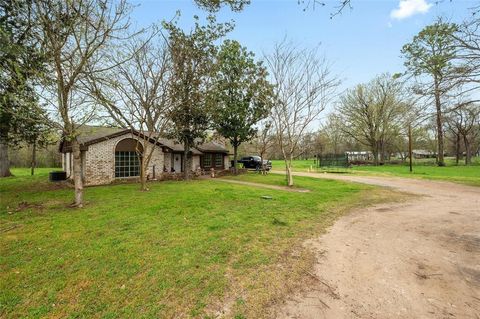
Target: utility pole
<point>410,145</point>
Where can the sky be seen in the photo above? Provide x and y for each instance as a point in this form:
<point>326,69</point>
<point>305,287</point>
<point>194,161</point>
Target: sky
<point>360,43</point>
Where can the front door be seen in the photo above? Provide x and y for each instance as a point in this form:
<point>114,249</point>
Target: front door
<point>177,162</point>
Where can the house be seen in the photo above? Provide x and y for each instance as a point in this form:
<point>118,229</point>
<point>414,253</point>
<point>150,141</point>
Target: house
<point>423,154</point>
<point>109,153</point>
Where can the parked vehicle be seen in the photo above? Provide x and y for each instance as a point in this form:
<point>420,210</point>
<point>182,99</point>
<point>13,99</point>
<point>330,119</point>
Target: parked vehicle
<point>254,162</point>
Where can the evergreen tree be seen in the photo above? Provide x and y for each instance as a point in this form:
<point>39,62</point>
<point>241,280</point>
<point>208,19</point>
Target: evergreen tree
<point>241,94</point>
<point>21,62</point>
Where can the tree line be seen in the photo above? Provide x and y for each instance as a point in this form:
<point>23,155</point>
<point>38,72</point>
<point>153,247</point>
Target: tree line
<point>436,96</point>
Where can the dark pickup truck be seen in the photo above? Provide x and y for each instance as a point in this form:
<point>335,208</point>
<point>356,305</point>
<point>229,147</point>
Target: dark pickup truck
<point>254,162</point>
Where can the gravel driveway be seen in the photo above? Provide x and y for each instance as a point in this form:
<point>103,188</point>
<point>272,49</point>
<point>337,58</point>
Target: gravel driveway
<point>417,259</point>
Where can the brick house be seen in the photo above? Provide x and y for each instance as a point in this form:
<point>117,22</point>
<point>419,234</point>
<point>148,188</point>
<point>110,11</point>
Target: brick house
<point>112,153</point>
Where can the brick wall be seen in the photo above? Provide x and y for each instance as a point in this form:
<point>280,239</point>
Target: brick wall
<point>195,162</point>
<point>168,161</point>
<point>100,161</point>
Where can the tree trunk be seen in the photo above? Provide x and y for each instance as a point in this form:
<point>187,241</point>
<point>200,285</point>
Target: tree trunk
<point>438,106</point>
<point>34,158</point>
<point>77,173</point>
<point>410,148</point>
<point>289,175</point>
<point>261,164</point>
<point>457,148</point>
<point>289,172</point>
<point>143,174</point>
<point>235,149</point>
<point>382,152</point>
<point>186,162</point>
<point>263,171</point>
<point>4,161</point>
<point>375,154</point>
<point>468,155</point>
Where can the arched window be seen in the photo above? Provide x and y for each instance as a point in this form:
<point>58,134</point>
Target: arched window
<point>128,158</point>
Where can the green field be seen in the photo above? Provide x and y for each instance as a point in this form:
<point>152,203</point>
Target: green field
<point>422,169</point>
<point>183,249</point>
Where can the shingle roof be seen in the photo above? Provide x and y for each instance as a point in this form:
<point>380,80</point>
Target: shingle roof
<point>94,134</point>
<point>175,146</point>
<point>91,133</point>
<point>212,147</point>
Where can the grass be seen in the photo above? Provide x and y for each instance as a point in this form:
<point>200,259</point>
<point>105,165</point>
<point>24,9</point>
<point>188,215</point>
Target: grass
<point>280,180</point>
<point>183,249</point>
<point>469,175</point>
<point>298,165</point>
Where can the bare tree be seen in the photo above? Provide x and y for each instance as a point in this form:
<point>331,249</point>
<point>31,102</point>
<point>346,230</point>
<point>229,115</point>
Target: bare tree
<point>135,93</point>
<point>215,5</point>
<point>371,113</point>
<point>74,33</point>
<point>304,86</point>
<point>332,131</point>
<point>467,40</point>
<point>463,122</point>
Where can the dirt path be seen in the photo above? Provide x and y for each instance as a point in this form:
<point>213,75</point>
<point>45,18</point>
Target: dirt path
<point>418,259</point>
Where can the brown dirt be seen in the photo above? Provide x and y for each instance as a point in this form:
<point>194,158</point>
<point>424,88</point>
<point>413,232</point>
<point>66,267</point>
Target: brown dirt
<point>417,259</point>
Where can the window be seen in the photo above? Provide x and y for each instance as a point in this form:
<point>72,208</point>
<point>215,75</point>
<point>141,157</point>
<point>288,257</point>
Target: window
<point>127,158</point>
<point>218,160</point>
<point>127,164</point>
<point>207,160</point>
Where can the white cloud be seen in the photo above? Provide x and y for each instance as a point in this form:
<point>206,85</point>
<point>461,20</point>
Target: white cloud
<point>408,8</point>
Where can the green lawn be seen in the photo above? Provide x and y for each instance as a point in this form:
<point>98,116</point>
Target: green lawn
<point>298,165</point>
<point>422,169</point>
<point>183,249</point>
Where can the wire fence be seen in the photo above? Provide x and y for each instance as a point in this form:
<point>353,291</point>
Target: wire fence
<point>332,161</point>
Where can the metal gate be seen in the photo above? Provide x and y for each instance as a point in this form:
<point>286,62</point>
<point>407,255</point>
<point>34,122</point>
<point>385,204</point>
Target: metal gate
<point>332,160</point>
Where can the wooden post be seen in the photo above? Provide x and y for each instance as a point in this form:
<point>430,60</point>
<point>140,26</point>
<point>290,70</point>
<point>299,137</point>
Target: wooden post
<point>410,145</point>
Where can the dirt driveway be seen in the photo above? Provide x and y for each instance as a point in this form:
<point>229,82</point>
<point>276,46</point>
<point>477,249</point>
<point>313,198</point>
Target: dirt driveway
<point>418,259</point>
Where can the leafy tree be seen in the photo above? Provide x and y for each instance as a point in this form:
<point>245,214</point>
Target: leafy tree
<point>432,53</point>
<point>241,94</point>
<point>21,63</point>
<point>192,57</point>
